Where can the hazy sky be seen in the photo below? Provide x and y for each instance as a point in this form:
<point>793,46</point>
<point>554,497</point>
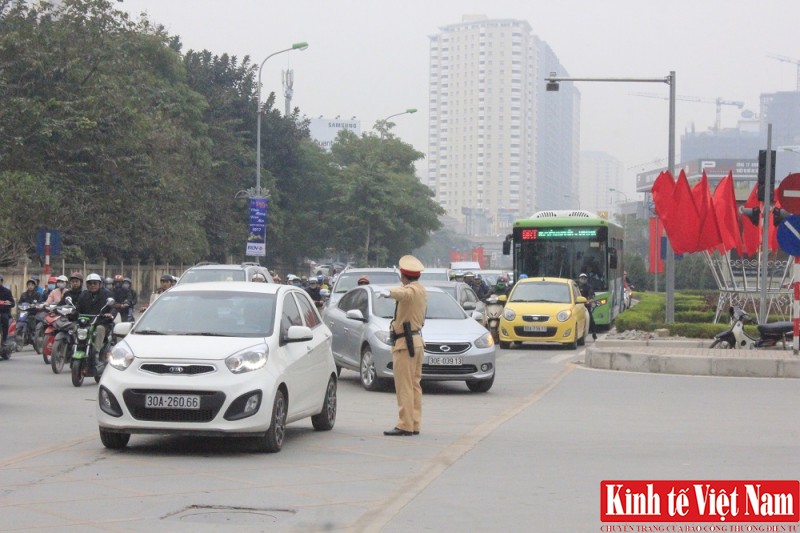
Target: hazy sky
<point>369,58</point>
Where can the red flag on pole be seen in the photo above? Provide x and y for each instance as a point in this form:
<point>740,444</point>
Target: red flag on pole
<point>726,213</point>
<point>709,235</point>
<point>683,222</point>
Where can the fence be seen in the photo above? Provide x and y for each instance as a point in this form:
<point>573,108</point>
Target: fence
<point>144,278</point>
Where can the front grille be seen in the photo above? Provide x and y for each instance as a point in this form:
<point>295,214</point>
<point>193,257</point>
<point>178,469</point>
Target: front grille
<point>445,370</point>
<point>535,318</point>
<point>520,332</point>
<point>446,348</point>
<point>210,404</point>
<point>177,369</point>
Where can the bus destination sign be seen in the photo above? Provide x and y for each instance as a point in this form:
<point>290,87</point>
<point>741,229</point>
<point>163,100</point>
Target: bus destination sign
<point>559,233</point>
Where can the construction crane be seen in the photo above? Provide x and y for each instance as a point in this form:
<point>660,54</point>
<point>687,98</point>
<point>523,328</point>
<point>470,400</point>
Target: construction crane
<point>718,101</point>
<point>789,60</point>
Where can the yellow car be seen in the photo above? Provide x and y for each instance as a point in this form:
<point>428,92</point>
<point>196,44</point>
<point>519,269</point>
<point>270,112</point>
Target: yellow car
<point>545,310</point>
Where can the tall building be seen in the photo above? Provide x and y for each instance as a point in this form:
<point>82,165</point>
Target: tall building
<point>600,172</point>
<point>500,147</point>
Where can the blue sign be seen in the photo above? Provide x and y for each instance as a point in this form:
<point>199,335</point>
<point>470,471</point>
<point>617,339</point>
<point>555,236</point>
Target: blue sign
<point>41,241</point>
<point>257,234</point>
<point>789,235</point>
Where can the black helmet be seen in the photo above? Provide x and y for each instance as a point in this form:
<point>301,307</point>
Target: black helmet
<point>76,275</point>
<point>166,277</point>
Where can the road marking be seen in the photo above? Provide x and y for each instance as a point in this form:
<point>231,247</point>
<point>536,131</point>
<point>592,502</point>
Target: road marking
<point>384,511</point>
<point>30,454</point>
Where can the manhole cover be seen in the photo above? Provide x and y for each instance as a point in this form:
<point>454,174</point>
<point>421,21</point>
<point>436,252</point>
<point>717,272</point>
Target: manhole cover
<point>221,514</point>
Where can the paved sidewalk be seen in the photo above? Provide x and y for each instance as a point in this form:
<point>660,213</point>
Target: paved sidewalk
<point>691,357</point>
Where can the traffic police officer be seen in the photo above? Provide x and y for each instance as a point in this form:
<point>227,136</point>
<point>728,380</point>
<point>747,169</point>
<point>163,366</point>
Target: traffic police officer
<point>408,349</point>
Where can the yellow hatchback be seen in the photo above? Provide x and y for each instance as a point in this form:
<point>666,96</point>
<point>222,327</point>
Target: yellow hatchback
<point>545,310</point>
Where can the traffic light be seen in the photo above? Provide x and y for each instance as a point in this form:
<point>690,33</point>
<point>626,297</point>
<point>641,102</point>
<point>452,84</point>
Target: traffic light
<point>762,172</point>
<point>752,213</point>
<point>779,215</point>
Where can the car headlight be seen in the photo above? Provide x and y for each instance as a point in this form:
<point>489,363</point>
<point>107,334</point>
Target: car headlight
<point>384,337</point>
<point>121,356</point>
<point>485,341</point>
<point>509,314</point>
<point>247,360</point>
<point>564,315</point>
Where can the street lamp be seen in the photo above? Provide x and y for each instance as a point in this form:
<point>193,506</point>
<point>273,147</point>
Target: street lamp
<point>552,85</point>
<point>577,199</point>
<point>382,128</point>
<point>257,192</point>
<point>612,189</point>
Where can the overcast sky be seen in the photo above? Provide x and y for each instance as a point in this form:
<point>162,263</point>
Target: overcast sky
<point>369,58</point>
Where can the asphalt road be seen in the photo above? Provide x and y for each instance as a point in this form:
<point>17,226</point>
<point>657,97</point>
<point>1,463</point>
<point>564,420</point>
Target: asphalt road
<point>528,455</point>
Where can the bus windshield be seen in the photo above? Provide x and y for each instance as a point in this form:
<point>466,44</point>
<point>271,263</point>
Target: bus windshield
<point>564,259</point>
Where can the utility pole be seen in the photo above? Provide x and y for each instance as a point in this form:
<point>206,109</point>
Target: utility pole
<point>288,89</point>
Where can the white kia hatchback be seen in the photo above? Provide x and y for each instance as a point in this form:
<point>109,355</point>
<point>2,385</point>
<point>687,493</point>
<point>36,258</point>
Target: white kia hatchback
<point>220,359</point>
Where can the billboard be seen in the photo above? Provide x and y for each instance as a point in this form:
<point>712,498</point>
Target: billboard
<point>324,130</point>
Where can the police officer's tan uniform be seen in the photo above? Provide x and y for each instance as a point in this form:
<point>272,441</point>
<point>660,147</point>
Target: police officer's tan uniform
<point>412,301</point>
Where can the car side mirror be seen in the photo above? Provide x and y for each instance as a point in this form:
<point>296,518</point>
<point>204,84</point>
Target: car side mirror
<point>469,306</point>
<point>581,300</point>
<point>356,314</point>
<point>298,334</point>
<point>122,329</point>
<point>477,315</point>
<point>502,299</point>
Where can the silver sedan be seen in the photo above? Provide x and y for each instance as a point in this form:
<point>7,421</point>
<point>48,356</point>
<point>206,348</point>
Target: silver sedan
<point>457,348</point>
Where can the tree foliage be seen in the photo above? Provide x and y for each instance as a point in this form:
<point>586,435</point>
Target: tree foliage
<point>134,149</point>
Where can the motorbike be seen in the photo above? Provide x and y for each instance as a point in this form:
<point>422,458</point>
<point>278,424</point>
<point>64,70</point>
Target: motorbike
<point>771,334</point>
<point>64,338</point>
<point>85,362</point>
<point>24,332</point>
<point>56,320</point>
<point>493,311</point>
<point>40,326</point>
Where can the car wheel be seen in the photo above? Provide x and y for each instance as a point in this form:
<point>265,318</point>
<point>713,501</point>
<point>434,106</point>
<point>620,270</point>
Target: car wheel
<point>505,345</point>
<point>114,441</point>
<point>574,344</point>
<point>369,376</point>
<point>327,417</point>
<point>272,440</point>
<point>481,385</point>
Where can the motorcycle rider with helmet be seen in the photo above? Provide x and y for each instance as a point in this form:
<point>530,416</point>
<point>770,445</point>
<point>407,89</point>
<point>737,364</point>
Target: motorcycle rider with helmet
<point>30,295</point>
<point>57,294</point>
<point>126,283</point>
<point>313,291</point>
<point>6,303</point>
<point>51,285</point>
<point>122,297</point>
<point>501,286</point>
<point>108,283</point>
<point>75,288</point>
<point>91,302</point>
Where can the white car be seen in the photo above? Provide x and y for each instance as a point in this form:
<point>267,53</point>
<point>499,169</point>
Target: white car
<point>220,359</point>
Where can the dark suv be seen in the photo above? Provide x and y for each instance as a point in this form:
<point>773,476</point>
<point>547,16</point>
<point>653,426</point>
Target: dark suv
<point>221,272</point>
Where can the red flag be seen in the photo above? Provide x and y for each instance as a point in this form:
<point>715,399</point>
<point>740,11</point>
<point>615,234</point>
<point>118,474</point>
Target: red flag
<point>662,194</point>
<point>751,235</point>
<point>683,221</point>
<point>708,236</point>
<point>726,213</point>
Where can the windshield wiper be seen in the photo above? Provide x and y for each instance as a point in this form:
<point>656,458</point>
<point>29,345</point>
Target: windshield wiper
<point>149,332</point>
<point>206,334</point>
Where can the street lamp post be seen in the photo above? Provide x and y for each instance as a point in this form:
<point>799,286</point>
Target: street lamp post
<point>552,85</point>
<point>257,192</point>
<point>383,122</point>
<point>577,199</point>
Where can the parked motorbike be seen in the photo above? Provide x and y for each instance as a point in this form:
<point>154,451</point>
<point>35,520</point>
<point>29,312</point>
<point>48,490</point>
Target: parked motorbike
<point>493,311</point>
<point>85,362</point>
<point>771,334</point>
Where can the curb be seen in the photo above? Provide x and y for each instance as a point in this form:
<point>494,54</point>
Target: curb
<point>691,357</point>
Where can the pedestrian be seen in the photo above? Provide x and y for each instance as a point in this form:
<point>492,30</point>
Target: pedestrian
<point>6,303</point>
<point>408,347</point>
<point>588,293</point>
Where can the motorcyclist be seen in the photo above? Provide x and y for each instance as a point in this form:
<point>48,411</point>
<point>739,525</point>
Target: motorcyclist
<point>30,296</point>
<point>313,291</point>
<point>75,288</point>
<point>501,286</point>
<point>6,303</point>
<point>51,285</point>
<point>91,302</point>
<point>108,283</point>
<point>258,277</point>
<point>122,297</point>
<point>126,283</point>
<point>363,280</point>
<point>57,294</point>
<point>477,285</point>
<point>588,293</point>
<point>36,280</point>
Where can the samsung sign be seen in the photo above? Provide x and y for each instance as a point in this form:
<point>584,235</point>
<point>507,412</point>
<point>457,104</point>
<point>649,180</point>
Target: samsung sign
<point>324,130</point>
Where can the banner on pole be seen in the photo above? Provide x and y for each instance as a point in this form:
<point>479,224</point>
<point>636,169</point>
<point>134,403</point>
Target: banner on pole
<point>257,234</point>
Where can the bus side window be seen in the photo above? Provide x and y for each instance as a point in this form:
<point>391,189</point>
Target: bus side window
<point>612,258</point>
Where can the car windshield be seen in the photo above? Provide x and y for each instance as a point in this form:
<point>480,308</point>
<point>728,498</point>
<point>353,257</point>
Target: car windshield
<point>434,276</point>
<point>222,313</point>
<point>541,292</point>
<point>440,306</point>
<point>348,280</point>
<point>213,274</point>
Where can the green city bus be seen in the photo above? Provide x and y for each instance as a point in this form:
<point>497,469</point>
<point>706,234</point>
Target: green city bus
<point>563,244</point>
